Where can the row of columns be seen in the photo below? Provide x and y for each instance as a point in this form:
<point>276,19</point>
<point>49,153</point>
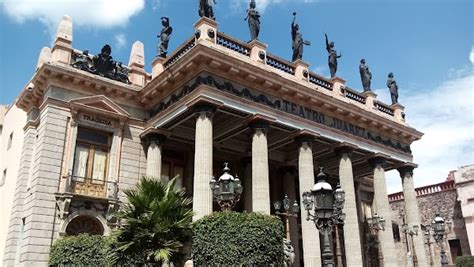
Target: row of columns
<point>259,190</point>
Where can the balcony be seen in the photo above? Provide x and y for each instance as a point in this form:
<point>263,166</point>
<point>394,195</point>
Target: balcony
<point>89,187</point>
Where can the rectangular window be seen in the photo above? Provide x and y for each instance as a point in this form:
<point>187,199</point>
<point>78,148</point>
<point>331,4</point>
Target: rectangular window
<point>10,140</point>
<point>4,177</point>
<point>90,162</point>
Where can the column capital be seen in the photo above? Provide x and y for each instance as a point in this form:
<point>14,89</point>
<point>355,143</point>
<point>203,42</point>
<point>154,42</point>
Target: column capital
<point>378,160</point>
<point>259,124</point>
<point>204,108</point>
<point>155,135</point>
<point>305,138</point>
<point>406,169</point>
<point>344,149</point>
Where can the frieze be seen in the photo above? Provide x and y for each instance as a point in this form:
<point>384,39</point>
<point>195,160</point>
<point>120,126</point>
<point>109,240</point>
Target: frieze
<point>279,104</point>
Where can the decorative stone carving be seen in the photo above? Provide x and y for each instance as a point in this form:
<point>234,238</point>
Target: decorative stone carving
<point>101,64</point>
<point>289,253</point>
<point>63,203</point>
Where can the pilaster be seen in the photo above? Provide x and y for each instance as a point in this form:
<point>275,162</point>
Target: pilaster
<point>311,245</point>
<point>382,208</point>
<point>260,172</point>
<point>412,212</point>
<point>352,240</point>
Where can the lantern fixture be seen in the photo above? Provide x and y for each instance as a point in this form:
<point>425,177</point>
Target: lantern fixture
<point>227,189</point>
<point>440,230</point>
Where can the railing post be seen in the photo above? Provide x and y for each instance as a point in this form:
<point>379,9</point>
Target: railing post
<point>369,99</point>
<point>258,51</point>
<point>338,85</point>
<point>301,70</point>
<point>398,111</point>
<point>157,67</point>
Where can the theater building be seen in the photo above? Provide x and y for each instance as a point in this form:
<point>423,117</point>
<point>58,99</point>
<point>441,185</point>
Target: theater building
<point>92,132</point>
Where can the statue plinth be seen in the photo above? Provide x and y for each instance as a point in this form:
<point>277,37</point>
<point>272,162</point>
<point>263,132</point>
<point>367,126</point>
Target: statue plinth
<point>398,111</point>
<point>301,69</point>
<point>207,29</point>
<point>258,51</point>
<point>157,66</point>
<point>206,21</point>
<point>338,84</point>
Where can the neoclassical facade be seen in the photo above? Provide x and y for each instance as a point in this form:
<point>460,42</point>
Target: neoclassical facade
<point>93,131</point>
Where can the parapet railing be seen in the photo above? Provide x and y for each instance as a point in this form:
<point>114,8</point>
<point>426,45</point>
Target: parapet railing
<point>280,64</point>
<point>320,81</point>
<point>233,44</point>
<point>353,95</point>
<point>181,51</point>
<point>384,108</point>
<point>425,190</point>
<point>91,187</point>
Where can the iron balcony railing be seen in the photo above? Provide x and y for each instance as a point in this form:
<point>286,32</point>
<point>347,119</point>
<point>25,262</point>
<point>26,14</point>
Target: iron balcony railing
<point>91,187</point>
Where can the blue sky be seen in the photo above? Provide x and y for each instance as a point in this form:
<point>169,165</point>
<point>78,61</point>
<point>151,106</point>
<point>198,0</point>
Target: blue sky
<point>427,44</point>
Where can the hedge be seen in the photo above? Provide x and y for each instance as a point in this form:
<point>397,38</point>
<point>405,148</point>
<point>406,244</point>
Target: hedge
<point>234,239</point>
<point>465,261</point>
<point>81,250</point>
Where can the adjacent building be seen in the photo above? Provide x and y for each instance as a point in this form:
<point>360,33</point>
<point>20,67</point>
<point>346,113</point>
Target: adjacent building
<point>94,127</point>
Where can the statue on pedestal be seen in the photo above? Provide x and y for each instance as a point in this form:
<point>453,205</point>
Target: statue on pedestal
<point>298,40</point>
<point>103,62</point>
<point>205,9</point>
<point>365,75</point>
<point>393,87</point>
<point>164,37</point>
<point>332,57</point>
<point>253,18</point>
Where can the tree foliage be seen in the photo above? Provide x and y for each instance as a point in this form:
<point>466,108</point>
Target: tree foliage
<point>157,221</point>
<point>81,250</point>
<point>465,261</point>
<point>234,239</point>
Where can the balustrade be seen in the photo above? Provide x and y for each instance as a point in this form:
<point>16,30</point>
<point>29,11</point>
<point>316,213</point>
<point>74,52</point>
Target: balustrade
<point>233,44</point>
<point>91,187</point>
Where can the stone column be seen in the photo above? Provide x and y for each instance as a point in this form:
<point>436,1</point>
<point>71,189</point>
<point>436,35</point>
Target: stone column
<point>352,240</point>
<point>311,247</point>
<point>202,195</point>
<point>412,212</point>
<point>153,160</point>
<point>260,173</point>
<point>382,208</point>
<point>290,190</point>
<point>247,164</point>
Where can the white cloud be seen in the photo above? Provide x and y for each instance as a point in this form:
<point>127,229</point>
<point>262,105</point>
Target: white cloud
<point>471,55</point>
<point>446,115</point>
<point>96,13</point>
<point>263,4</point>
<point>120,40</point>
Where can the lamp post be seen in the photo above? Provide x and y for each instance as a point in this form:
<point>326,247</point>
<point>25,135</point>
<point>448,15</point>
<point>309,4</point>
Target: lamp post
<point>377,223</point>
<point>327,212</point>
<point>440,230</point>
<point>226,190</point>
<point>411,231</point>
<point>289,210</point>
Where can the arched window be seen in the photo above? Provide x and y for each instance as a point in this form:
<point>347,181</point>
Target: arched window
<point>84,225</point>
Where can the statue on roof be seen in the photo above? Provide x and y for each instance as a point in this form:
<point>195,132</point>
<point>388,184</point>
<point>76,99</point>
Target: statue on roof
<point>253,18</point>
<point>103,62</point>
<point>332,56</point>
<point>298,40</point>
<point>164,37</point>
<point>365,75</point>
<point>205,8</point>
<point>393,87</point>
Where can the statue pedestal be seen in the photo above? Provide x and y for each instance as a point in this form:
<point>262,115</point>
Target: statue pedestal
<point>207,30</point>
<point>258,51</point>
<point>301,70</point>
<point>157,66</point>
<point>399,111</point>
<point>338,83</point>
<point>369,99</point>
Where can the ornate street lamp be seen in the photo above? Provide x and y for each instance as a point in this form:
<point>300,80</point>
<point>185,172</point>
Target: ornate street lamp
<point>226,190</point>
<point>289,210</point>
<point>440,230</point>
<point>327,211</point>
<point>407,230</point>
<point>376,224</point>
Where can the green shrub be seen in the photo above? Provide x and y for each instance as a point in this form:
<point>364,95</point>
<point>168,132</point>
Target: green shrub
<point>465,261</point>
<point>83,250</point>
<point>231,238</point>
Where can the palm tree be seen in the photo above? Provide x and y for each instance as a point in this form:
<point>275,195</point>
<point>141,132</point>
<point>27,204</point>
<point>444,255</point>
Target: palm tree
<point>157,222</point>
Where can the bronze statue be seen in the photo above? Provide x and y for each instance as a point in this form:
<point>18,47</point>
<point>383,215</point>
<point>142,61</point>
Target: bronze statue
<point>103,63</point>
<point>205,9</point>
<point>365,75</point>
<point>253,18</point>
<point>332,57</point>
<point>164,37</point>
<point>393,87</point>
<point>298,40</point>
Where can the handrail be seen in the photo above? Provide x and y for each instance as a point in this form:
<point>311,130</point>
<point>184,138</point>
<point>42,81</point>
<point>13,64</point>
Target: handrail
<point>353,95</point>
<point>384,108</point>
<point>91,187</point>
<point>181,51</point>
<point>425,190</point>
<point>320,81</point>
<point>233,44</point>
<point>280,64</point>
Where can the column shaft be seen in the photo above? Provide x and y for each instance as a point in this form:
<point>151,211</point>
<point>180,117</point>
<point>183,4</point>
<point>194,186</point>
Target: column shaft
<point>153,161</point>
<point>248,185</point>
<point>260,176</point>
<point>202,196</point>
<point>412,214</point>
<point>351,224</point>
<point>311,247</point>
<point>382,207</point>
<point>289,185</point>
